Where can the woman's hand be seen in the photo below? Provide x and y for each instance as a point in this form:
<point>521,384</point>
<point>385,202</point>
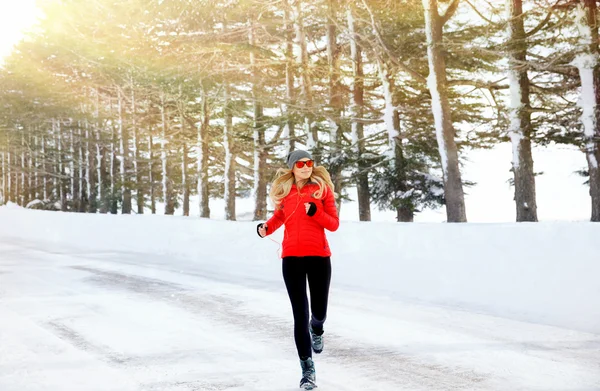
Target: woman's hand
<point>261,229</point>
<point>311,208</point>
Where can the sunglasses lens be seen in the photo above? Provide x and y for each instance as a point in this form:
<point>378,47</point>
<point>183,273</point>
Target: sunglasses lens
<point>309,163</point>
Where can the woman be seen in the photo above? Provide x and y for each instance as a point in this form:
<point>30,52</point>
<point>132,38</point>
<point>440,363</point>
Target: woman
<point>305,204</point>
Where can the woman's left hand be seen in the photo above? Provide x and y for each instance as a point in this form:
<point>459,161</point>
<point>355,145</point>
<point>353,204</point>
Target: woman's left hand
<point>311,208</point>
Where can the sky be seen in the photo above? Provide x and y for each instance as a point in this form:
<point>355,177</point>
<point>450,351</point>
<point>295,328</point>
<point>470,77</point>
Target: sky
<point>169,303</point>
<point>15,17</point>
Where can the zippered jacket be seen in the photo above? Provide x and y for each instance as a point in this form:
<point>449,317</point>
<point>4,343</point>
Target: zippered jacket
<point>304,234</point>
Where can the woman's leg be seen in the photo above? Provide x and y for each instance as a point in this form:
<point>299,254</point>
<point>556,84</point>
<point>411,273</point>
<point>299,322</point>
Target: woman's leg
<point>319,278</point>
<point>294,275</point>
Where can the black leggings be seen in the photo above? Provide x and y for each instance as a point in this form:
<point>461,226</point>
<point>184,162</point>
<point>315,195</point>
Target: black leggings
<point>296,270</point>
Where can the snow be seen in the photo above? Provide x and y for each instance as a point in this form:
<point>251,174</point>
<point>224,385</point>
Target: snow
<point>164,163</point>
<point>585,33</point>
<point>388,114</point>
<point>143,302</point>
<point>354,55</point>
<point>585,63</point>
<point>514,131</point>
<point>434,89</point>
<point>285,135</point>
<point>311,143</point>
<point>99,158</point>
<point>33,204</point>
<point>514,105</point>
<point>256,168</point>
<point>333,130</point>
<point>354,132</point>
<point>199,157</point>
<point>299,37</point>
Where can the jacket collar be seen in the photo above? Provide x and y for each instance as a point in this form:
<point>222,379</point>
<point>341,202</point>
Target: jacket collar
<point>294,186</point>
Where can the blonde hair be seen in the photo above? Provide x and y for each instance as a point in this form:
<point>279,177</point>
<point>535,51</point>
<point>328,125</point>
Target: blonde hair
<point>285,179</point>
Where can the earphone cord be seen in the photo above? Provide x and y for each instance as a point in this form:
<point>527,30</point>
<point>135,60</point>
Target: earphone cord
<point>278,251</point>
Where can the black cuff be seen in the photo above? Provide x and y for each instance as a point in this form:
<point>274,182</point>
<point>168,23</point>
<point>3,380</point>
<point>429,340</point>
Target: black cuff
<point>257,227</point>
<point>312,210</point>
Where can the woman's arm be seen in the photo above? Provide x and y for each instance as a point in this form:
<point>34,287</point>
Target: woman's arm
<point>275,221</point>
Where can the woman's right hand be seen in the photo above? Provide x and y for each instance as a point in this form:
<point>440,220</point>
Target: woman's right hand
<point>261,229</point>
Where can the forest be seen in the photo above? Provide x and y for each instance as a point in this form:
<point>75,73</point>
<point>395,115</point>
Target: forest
<point>130,106</point>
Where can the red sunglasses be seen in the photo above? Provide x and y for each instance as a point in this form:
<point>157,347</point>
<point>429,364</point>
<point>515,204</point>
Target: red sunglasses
<point>309,163</point>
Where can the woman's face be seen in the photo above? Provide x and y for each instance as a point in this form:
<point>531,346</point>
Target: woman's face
<point>304,172</point>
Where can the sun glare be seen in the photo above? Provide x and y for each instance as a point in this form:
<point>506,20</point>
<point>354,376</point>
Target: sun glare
<point>15,18</point>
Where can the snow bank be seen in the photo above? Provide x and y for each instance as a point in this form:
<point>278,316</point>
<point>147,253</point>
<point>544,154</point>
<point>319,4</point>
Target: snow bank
<point>538,272</point>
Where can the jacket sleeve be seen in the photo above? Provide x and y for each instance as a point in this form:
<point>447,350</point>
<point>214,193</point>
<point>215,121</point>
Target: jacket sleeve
<point>275,221</point>
<point>326,214</point>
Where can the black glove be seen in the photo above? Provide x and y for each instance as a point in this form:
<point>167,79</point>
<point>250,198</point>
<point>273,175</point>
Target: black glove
<point>257,227</point>
<point>312,209</point>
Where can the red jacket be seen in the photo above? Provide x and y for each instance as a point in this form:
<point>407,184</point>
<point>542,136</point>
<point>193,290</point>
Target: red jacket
<point>305,235</point>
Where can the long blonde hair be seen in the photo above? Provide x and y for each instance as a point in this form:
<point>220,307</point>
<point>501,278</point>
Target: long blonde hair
<point>285,179</point>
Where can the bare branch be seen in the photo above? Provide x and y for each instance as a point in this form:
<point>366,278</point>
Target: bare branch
<point>479,84</point>
<point>544,22</point>
<point>498,108</point>
<point>483,17</point>
<point>416,75</point>
<point>449,12</point>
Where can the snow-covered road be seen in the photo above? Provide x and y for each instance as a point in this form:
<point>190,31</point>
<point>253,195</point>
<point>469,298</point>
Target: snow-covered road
<point>84,320</point>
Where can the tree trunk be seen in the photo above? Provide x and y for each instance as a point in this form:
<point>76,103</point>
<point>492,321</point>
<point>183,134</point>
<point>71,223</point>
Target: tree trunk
<point>31,171</point>
<point>24,189</point>
<point>139,193</point>
<point>83,194</point>
<point>185,187</point>
<point>101,165</point>
<point>289,136</point>
<point>357,112</point>
<point>94,192</point>
<point>61,171</point>
<point>260,153</point>
<point>151,172</point>
<point>589,71</point>
<point>3,187</point>
<point>438,87</point>
<point>203,194</point>
<point>520,114</point>
<point>113,171</point>
<point>90,170</point>
<point>36,167</point>
<point>184,178</point>
<point>124,159</point>
<point>306,85</point>
<point>405,209</point>
<point>167,186</point>
<point>73,180</point>
<point>44,172</point>
<point>335,101</point>
<point>8,171</point>
<point>17,194</point>
<point>229,173</point>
